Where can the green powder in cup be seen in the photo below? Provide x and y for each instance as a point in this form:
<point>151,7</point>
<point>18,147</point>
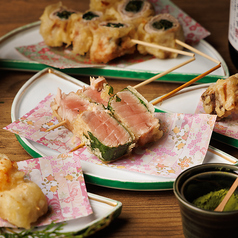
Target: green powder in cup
<point>211,200</point>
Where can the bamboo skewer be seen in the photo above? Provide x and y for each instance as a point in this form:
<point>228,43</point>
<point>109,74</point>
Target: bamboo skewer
<point>196,51</point>
<point>160,47</point>
<point>56,126</point>
<point>164,73</point>
<point>193,80</point>
<point>185,85</point>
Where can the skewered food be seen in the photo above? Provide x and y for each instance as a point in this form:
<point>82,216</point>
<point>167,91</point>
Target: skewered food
<point>112,130</point>
<point>162,29</point>
<point>54,25</point>
<point>221,98</point>
<point>106,30</point>
<point>21,202</point>
<point>112,40</point>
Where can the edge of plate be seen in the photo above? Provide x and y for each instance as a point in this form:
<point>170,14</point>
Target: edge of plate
<point>113,71</point>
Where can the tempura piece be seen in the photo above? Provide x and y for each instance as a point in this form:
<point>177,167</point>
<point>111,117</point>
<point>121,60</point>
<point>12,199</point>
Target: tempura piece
<point>162,29</point>
<point>221,98</point>
<point>54,25</point>
<point>80,30</point>
<point>112,40</point>
<point>130,11</point>
<point>21,202</point>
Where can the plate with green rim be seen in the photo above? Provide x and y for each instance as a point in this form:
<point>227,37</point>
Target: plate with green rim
<point>29,34</point>
<point>34,90</point>
<point>186,101</point>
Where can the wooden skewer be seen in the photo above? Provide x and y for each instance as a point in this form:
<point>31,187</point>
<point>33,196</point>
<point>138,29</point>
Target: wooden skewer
<point>196,51</point>
<point>186,84</point>
<point>56,126</point>
<point>164,73</point>
<point>162,47</point>
<point>78,146</point>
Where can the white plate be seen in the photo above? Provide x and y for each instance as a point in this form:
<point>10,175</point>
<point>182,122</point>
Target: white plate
<point>186,101</point>
<point>47,81</point>
<point>10,58</point>
<point>105,210</point>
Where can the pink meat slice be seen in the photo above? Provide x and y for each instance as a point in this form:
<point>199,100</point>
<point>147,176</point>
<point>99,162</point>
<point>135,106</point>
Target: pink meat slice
<point>136,117</point>
<point>70,105</point>
<point>103,126</point>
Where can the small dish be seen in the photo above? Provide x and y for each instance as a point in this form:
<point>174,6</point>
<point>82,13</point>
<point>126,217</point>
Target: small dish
<point>206,182</point>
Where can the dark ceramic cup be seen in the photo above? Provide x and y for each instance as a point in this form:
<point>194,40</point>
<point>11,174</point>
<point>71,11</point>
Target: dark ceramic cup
<point>196,182</point>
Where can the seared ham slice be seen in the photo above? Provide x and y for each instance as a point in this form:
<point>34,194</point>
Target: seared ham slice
<point>66,107</point>
<point>136,114</point>
<point>221,98</point>
<point>103,134</point>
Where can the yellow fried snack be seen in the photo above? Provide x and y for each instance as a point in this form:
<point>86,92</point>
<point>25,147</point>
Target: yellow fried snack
<point>221,98</point>
<point>54,25</point>
<point>162,29</point>
<point>21,202</point>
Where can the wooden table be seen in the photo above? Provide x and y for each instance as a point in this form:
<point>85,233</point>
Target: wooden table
<point>144,214</point>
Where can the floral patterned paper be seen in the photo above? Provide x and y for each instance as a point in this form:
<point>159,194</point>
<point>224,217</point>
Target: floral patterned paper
<point>184,143</point>
<point>227,127</point>
<point>60,57</point>
<point>61,180</point>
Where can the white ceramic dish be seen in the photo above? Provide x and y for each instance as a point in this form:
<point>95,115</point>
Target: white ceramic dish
<point>47,81</point>
<point>186,101</point>
<point>105,210</point>
<point>10,58</point>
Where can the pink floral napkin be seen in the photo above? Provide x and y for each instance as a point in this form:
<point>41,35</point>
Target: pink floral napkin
<point>61,180</point>
<point>184,143</point>
<point>227,126</point>
<point>63,58</point>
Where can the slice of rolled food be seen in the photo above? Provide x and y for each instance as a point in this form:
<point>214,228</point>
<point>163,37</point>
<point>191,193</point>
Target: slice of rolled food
<point>130,11</point>
<point>221,98</point>
<point>162,29</point>
<point>80,30</point>
<point>54,25</point>
<point>22,202</point>
<point>112,40</point>
<point>66,107</point>
<point>131,109</point>
<point>103,135</point>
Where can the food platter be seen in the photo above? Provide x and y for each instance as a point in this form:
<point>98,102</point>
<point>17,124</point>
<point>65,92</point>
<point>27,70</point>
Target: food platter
<point>192,95</point>
<point>105,210</point>
<point>10,58</point>
<point>34,90</point>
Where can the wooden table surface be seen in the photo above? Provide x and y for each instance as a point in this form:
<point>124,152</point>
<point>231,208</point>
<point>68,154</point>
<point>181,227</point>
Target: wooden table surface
<point>144,214</point>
